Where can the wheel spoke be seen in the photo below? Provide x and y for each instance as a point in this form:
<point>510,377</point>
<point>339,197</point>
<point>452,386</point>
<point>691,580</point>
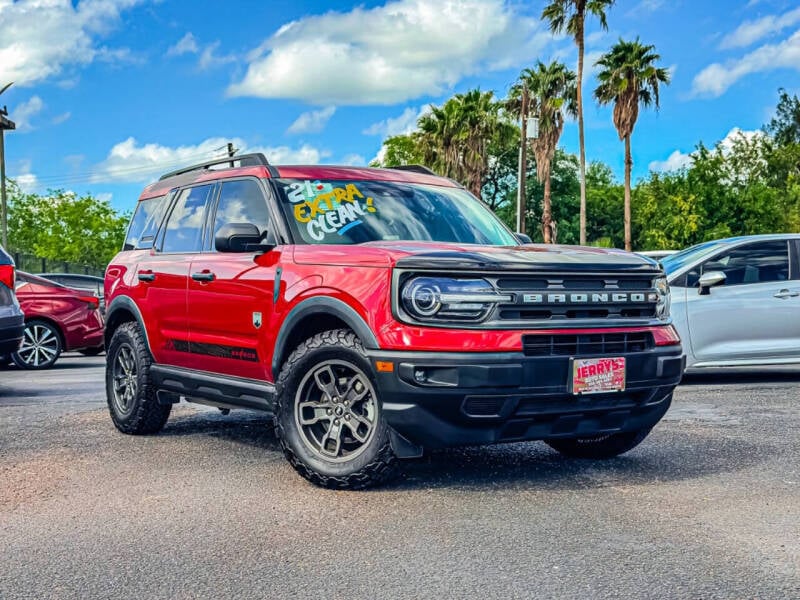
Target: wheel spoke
<point>319,409</point>
<point>359,426</point>
<point>357,390</point>
<point>47,352</point>
<point>44,337</point>
<point>333,435</point>
<point>329,386</point>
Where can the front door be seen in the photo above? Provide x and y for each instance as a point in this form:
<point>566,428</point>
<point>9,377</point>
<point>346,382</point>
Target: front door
<point>231,294</point>
<point>753,314</point>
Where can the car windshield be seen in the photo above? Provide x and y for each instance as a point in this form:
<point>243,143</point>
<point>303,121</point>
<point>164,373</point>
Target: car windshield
<point>674,262</point>
<point>354,212</point>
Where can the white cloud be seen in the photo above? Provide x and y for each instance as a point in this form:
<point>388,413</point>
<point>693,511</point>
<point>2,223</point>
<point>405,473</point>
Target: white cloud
<point>209,58</point>
<point>402,124</point>
<point>131,162</point>
<point>42,37</point>
<point>715,79</point>
<point>23,113</point>
<point>679,160</point>
<point>27,181</point>
<point>313,121</point>
<point>750,32</point>
<point>354,160</point>
<point>186,45</point>
<point>676,160</point>
<point>58,119</point>
<point>391,53</point>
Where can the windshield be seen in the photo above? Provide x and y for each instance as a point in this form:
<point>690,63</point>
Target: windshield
<point>354,212</point>
<point>674,262</point>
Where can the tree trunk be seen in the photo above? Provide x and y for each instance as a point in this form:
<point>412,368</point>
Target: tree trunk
<point>523,162</point>
<point>581,141</point>
<point>628,165</point>
<point>547,218</point>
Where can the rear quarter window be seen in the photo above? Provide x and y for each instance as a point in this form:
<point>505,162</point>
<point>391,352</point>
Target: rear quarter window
<point>144,223</point>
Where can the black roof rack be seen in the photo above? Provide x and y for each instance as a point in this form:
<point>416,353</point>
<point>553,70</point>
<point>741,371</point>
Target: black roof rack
<point>256,159</point>
<point>414,168</point>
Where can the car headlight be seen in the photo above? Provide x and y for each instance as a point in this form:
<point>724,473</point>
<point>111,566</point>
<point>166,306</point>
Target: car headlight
<point>445,298</point>
<point>662,305</point>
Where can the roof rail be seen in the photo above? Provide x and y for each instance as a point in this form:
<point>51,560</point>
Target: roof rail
<point>256,159</point>
<point>414,168</point>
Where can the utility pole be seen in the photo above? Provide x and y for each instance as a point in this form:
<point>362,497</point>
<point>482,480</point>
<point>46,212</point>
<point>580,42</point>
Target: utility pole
<point>231,152</point>
<point>523,162</point>
<point>5,124</point>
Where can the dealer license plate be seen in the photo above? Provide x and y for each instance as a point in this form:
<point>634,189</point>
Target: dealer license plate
<point>597,375</point>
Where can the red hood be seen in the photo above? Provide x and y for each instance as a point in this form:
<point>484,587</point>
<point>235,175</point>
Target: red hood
<point>451,256</point>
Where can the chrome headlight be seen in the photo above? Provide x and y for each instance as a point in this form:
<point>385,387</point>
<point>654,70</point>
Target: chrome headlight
<point>445,298</point>
<point>662,306</point>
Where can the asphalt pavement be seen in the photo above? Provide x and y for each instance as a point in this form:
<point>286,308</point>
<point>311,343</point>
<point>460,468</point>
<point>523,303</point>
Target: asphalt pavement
<point>707,507</point>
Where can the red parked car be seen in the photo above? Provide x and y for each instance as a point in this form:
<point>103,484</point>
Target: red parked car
<point>57,319</point>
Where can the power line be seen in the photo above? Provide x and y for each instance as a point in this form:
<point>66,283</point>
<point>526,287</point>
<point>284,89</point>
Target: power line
<point>91,176</point>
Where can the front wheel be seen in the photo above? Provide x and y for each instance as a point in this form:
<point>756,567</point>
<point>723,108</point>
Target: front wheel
<point>41,346</point>
<point>328,414</point>
<point>599,447</point>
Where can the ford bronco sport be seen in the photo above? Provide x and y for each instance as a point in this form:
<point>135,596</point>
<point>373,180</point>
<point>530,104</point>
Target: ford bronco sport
<point>376,313</point>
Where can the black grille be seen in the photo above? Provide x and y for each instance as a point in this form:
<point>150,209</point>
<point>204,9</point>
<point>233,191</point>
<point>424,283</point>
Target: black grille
<point>587,345</point>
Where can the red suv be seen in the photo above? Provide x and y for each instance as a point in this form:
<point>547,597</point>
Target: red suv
<point>375,313</point>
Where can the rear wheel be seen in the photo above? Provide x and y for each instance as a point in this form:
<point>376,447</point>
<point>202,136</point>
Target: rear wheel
<point>328,415</point>
<point>130,393</point>
<point>599,447</point>
<point>41,346</point>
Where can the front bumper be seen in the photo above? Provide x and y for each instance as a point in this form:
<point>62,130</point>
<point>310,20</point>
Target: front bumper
<point>485,398</point>
<point>11,329</point>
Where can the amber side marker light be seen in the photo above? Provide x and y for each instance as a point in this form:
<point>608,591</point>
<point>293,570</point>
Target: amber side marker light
<point>384,366</point>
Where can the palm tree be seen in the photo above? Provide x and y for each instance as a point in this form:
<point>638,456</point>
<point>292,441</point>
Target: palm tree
<point>552,96</point>
<point>628,78</point>
<point>570,16</point>
<point>454,137</point>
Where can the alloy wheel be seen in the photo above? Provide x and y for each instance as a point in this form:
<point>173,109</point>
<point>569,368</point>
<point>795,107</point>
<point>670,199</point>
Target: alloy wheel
<point>125,379</point>
<point>40,345</point>
<point>336,410</point>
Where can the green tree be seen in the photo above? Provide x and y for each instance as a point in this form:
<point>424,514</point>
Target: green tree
<point>552,96</point>
<point>400,150</point>
<point>785,125</point>
<point>65,227</point>
<point>570,16</point>
<point>629,78</point>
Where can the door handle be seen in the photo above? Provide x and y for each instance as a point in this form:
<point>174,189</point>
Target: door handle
<point>787,294</point>
<point>203,276</point>
<point>146,275</point>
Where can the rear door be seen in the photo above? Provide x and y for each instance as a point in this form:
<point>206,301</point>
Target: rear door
<point>231,294</point>
<point>164,276</point>
<point>754,313</point>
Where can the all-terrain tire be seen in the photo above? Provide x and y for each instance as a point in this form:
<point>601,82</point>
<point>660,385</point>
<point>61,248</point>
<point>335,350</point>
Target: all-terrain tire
<point>128,358</point>
<point>600,447</point>
<point>375,462</point>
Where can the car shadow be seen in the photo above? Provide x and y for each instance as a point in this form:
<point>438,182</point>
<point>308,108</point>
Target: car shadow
<point>673,454</point>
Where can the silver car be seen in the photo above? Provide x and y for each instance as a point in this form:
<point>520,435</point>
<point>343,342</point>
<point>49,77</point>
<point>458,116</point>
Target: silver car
<point>736,302</point>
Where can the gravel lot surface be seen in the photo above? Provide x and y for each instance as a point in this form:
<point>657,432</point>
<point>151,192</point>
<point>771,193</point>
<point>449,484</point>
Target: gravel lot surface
<point>707,507</point>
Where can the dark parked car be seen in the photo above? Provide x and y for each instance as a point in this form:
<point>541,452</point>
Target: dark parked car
<point>11,318</point>
<point>83,283</point>
<point>57,318</point>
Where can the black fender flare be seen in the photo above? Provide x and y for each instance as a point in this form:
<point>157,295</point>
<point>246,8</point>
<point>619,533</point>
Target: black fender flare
<point>124,303</point>
<point>320,305</point>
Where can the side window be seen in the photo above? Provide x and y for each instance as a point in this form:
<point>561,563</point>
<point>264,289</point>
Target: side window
<point>241,201</point>
<point>760,262</point>
<point>144,224</point>
<point>184,230</point>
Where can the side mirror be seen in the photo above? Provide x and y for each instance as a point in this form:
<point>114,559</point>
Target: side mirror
<point>522,238</point>
<point>709,280</point>
<point>243,237</point>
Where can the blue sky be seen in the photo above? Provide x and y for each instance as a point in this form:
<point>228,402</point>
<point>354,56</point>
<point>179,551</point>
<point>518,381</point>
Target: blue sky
<point>109,94</point>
